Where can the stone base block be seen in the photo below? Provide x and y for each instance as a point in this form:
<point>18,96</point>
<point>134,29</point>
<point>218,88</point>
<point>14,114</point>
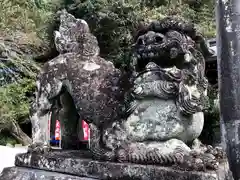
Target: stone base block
<point>79,163</point>
<point>19,173</point>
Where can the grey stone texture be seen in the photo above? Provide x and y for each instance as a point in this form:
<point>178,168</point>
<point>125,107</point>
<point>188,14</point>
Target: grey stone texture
<point>85,85</point>
<point>79,164</point>
<point>20,173</point>
<point>228,43</point>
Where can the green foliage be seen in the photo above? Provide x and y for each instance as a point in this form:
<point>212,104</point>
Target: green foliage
<point>28,26</point>
<point>114,22</point>
<point>15,102</point>
<point>7,138</point>
<point>202,15</point>
<point>211,116</point>
<point>31,18</point>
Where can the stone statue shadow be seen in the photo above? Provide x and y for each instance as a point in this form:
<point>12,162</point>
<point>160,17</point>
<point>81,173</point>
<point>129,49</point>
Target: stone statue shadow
<point>69,118</point>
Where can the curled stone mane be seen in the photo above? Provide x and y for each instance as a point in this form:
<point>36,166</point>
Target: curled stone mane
<point>179,25</point>
<point>168,64</point>
<point>164,25</point>
<point>168,43</point>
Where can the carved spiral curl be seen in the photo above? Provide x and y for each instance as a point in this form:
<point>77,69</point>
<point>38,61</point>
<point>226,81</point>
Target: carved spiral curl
<point>167,23</point>
<point>160,89</point>
<point>150,156</point>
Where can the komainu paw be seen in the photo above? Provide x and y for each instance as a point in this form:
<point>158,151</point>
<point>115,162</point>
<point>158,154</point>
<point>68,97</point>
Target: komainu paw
<point>39,148</point>
<point>218,152</point>
<point>198,161</point>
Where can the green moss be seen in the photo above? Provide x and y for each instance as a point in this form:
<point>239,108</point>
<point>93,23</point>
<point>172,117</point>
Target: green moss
<point>15,102</point>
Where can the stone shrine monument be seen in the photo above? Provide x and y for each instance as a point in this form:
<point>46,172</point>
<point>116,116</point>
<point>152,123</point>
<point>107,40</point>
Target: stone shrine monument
<point>143,127</point>
<point>228,23</point>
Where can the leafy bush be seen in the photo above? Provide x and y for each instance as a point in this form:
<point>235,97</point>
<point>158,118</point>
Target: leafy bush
<point>211,116</point>
<point>5,138</point>
<point>114,22</point>
<point>25,32</point>
<point>31,18</point>
<point>17,97</point>
<point>14,107</point>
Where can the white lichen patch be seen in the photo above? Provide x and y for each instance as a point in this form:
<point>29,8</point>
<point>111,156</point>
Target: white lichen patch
<point>192,91</point>
<point>83,22</point>
<point>187,57</point>
<point>138,90</point>
<point>59,60</point>
<point>36,128</point>
<point>38,85</point>
<point>89,66</point>
<point>48,87</point>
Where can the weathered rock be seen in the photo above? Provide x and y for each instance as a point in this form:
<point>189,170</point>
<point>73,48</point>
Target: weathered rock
<point>228,22</point>
<point>79,164</point>
<point>168,97</point>
<point>86,85</point>
<point>18,173</point>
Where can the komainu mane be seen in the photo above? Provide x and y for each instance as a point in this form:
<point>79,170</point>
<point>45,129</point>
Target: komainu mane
<point>154,117</point>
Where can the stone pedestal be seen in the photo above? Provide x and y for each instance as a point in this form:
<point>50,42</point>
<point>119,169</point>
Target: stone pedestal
<point>78,165</point>
<point>20,173</point>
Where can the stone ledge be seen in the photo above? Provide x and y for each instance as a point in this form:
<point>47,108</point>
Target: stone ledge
<point>19,173</point>
<point>76,163</point>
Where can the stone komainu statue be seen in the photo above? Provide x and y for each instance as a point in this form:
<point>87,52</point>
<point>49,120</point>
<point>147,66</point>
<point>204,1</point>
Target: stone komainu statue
<point>153,117</point>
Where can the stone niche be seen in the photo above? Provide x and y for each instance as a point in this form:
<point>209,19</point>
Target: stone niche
<point>144,124</point>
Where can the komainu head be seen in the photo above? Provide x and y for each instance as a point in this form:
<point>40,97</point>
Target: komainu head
<point>169,42</point>
<point>178,52</point>
<point>74,36</point>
